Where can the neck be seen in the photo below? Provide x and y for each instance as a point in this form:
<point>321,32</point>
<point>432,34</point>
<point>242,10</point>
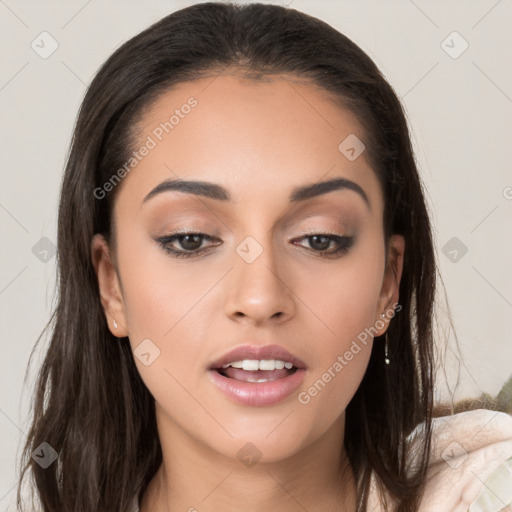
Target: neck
<point>195,478</point>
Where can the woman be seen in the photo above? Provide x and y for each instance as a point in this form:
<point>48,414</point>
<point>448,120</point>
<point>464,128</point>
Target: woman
<point>247,279</point>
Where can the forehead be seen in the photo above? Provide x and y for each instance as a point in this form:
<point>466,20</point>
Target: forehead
<point>267,135</point>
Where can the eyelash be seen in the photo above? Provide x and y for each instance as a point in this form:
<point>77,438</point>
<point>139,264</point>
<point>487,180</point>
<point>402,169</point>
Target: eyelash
<point>345,242</point>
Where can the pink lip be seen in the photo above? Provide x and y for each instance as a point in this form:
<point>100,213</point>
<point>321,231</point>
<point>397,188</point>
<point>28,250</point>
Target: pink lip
<point>258,393</point>
<point>258,352</point>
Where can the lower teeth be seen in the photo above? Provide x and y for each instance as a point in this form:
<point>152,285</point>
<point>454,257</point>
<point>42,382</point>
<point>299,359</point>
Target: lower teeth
<point>223,373</point>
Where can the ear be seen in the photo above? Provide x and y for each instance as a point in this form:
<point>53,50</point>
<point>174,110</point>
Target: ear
<point>391,283</point>
<point>110,289</point>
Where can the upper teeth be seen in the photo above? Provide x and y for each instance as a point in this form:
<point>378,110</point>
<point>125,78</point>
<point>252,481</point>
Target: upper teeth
<point>262,364</point>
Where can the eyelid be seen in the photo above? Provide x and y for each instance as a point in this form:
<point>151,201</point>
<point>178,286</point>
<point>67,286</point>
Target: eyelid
<point>344,243</point>
<point>316,231</point>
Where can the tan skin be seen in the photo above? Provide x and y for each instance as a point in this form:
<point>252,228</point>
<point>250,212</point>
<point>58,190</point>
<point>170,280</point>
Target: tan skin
<point>259,140</point>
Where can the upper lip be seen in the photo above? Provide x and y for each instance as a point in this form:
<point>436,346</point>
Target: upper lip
<point>257,352</point>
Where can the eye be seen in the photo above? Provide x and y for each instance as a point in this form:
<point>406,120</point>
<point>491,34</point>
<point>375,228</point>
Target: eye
<point>320,243</point>
<point>190,243</point>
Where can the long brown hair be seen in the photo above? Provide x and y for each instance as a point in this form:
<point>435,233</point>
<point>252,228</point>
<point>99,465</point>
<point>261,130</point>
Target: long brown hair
<point>90,404</point>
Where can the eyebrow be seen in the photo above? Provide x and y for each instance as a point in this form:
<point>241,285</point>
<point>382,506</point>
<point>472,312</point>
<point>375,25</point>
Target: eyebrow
<point>214,191</point>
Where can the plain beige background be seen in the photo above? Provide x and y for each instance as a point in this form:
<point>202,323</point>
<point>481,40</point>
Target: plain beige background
<point>458,100</point>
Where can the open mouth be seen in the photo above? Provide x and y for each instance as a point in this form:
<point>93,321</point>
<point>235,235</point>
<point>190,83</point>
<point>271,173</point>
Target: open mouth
<point>257,382</point>
<point>255,375</point>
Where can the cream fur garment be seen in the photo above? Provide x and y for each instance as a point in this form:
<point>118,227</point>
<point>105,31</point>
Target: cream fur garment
<point>471,464</point>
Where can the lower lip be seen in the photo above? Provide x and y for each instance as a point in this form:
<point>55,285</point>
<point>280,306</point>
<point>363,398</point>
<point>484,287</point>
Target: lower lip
<point>258,393</point>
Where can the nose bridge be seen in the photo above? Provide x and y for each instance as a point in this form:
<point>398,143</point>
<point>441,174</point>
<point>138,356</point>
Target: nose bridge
<point>260,291</point>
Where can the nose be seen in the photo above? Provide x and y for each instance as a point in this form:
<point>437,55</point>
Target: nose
<point>259,291</point>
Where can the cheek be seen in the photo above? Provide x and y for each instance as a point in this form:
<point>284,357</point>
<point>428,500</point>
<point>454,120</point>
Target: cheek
<point>344,298</point>
<point>165,318</point>
<point>159,292</point>
<point>341,357</point>
<point>344,295</point>
<point>165,305</point>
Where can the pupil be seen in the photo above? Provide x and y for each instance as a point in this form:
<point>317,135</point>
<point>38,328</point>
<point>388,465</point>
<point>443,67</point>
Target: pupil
<point>323,246</point>
<point>193,245</point>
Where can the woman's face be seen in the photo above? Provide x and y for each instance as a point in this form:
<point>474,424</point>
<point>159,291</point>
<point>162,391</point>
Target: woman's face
<point>255,277</point>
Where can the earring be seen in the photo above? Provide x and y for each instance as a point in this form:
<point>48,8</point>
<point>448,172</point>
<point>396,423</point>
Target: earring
<point>386,356</point>
<point>386,353</point>
<point>115,324</point>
